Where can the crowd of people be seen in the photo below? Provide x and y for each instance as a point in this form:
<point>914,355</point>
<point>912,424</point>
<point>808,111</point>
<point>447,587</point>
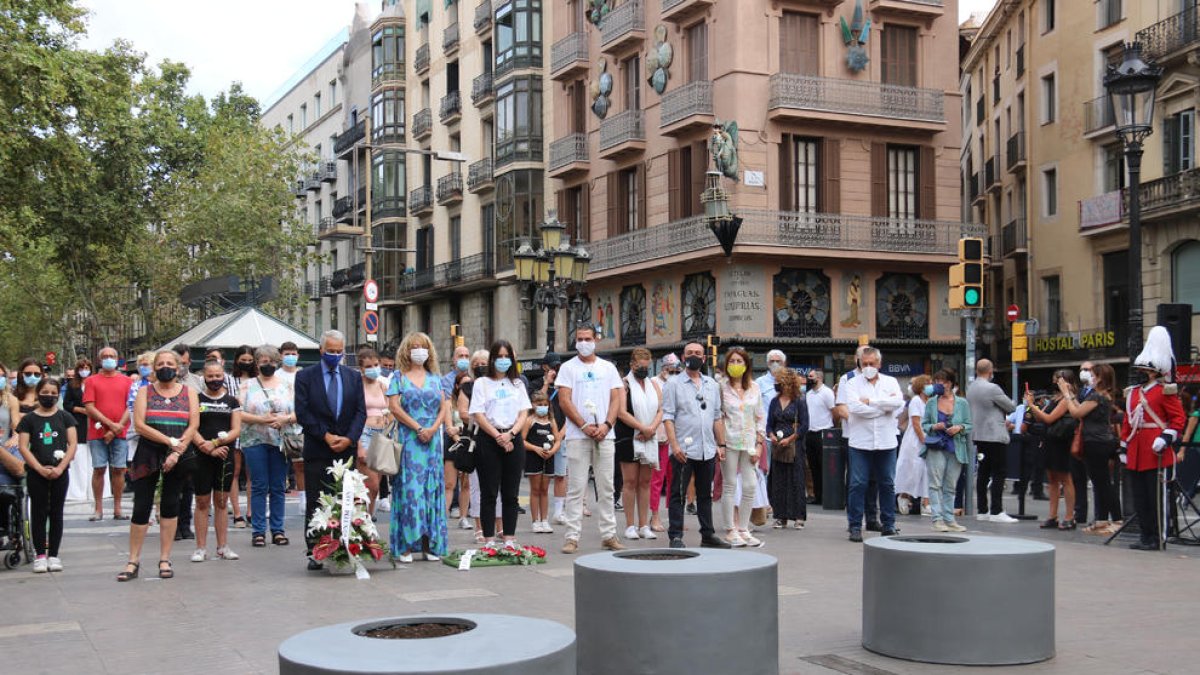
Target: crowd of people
<point>574,430</point>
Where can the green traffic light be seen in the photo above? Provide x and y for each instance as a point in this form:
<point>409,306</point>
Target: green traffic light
<point>971,297</point>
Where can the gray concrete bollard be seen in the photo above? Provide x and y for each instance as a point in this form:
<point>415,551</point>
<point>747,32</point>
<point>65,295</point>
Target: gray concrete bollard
<point>959,599</point>
<point>495,644</point>
<point>677,612</point>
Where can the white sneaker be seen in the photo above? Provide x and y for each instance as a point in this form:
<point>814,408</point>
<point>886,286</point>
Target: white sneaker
<point>750,540</point>
<point>546,528</point>
<point>226,553</point>
<point>431,557</point>
<point>200,555</point>
<point>1004,518</point>
<point>54,564</point>
<point>955,527</point>
<point>631,532</point>
<point>465,524</point>
<point>646,533</point>
<point>512,545</point>
<point>939,526</point>
<point>383,505</point>
<point>541,527</point>
<point>735,540</point>
<point>405,558</point>
<point>984,517</point>
<point>41,565</point>
<point>560,518</point>
<point>903,504</point>
<point>926,511</point>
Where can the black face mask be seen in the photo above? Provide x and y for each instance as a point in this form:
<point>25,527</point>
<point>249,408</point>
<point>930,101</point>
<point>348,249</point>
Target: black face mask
<point>247,369</point>
<point>267,369</point>
<point>694,362</point>
<point>641,373</point>
<point>480,371</point>
<point>165,374</point>
<point>47,400</point>
<point>214,385</point>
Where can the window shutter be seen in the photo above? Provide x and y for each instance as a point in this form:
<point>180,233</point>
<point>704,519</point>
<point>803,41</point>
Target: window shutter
<point>614,198</point>
<point>879,196</point>
<point>643,214</point>
<point>830,171</point>
<point>698,169</point>
<point>584,230</point>
<point>1169,152</point>
<point>674,176</point>
<point>786,179</point>
<point>927,177</point>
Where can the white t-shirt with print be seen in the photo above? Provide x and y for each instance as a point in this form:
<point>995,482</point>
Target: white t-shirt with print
<point>591,385</point>
<point>500,401</point>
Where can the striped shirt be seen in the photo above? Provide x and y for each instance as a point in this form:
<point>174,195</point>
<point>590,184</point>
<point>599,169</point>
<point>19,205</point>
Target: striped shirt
<point>169,416</point>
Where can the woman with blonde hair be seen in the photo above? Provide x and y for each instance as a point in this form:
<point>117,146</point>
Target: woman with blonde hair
<point>745,438</point>
<point>416,400</point>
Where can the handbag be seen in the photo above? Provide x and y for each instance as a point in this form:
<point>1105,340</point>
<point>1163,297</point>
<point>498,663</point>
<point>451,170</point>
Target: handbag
<point>1063,428</point>
<point>292,444</point>
<point>786,453</point>
<point>462,453</point>
<point>383,453</point>
<point>1077,443</point>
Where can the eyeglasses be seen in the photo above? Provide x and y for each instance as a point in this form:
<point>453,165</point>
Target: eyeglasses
<point>703,403</point>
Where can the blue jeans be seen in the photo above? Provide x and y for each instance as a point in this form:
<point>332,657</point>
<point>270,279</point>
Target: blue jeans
<point>865,465</point>
<point>268,478</point>
<point>944,469</point>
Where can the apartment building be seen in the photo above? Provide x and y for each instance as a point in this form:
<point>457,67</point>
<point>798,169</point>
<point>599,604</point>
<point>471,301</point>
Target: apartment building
<point>1043,168</point>
<point>847,142</point>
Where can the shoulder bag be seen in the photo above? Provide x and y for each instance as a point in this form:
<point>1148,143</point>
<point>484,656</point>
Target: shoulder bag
<point>787,453</point>
<point>462,453</point>
<point>383,453</point>
<point>1063,429</point>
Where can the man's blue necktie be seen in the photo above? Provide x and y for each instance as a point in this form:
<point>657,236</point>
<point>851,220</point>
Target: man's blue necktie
<point>331,392</point>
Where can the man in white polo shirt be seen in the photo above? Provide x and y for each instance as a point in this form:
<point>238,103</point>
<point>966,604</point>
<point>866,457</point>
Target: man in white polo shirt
<point>871,401</point>
<point>820,401</point>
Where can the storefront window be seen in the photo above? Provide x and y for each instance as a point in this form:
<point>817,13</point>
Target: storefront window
<point>519,121</point>
<point>518,29</point>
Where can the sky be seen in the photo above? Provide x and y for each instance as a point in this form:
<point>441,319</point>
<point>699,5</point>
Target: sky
<point>260,43</point>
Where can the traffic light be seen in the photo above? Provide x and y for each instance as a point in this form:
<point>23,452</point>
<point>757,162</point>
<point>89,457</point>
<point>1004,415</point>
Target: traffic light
<point>966,277</point>
<point>712,350</point>
<point>1020,343</point>
<point>459,340</point>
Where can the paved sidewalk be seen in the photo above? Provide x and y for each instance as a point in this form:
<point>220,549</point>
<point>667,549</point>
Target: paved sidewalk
<point>1118,611</point>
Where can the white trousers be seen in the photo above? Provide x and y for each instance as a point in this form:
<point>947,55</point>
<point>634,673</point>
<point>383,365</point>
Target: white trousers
<point>599,456</point>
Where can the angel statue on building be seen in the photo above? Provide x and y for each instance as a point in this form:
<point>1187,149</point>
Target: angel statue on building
<point>723,147</point>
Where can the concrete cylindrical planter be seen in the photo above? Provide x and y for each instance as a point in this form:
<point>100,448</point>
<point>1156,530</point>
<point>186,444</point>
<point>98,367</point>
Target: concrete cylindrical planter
<point>667,611</point>
<point>981,600</point>
<point>479,644</point>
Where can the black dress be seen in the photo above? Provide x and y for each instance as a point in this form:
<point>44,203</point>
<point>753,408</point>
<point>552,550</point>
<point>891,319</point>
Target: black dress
<point>785,482</point>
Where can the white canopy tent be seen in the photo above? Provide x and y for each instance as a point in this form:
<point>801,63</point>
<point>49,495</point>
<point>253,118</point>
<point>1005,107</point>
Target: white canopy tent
<point>245,326</point>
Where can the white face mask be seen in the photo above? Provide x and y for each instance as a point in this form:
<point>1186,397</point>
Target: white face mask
<point>1085,376</point>
<point>418,355</point>
<point>870,372</point>
<point>585,349</point>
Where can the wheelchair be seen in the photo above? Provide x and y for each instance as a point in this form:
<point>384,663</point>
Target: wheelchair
<point>14,526</point>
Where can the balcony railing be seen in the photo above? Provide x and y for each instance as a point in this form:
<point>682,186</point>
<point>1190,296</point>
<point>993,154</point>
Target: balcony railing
<point>1014,237</point>
<point>693,98</point>
<point>1101,210</point>
<point>421,60</point>
<point>342,208</point>
<point>573,48</point>
<point>624,20</point>
<point>422,124</point>
<point>480,174</point>
<point>420,199</point>
<point>1097,115</point>
<point>482,89</point>
<point>313,180</point>
<point>325,224</point>
<point>349,277</point>
<point>483,16</point>
<point>298,190</point>
<point>1171,34</point>
<point>621,128</point>
<point>450,38</point>
<point>1016,150</point>
<point>478,267</point>
<point>386,206</point>
<point>787,229</point>
<point>450,187</point>
<point>349,138</point>
<point>327,284</point>
<point>451,107</point>
<point>826,94</point>
<point>328,171</point>
<point>1177,191</point>
<point>567,150</point>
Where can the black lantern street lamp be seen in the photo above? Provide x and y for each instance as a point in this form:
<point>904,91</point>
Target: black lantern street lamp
<point>717,215</point>
<point>1132,88</point>
<point>552,276</point>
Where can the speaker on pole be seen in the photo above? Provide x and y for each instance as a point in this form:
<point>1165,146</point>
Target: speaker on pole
<point>1177,319</point>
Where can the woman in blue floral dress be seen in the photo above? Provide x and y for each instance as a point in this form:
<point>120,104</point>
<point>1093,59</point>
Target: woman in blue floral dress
<point>418,403</point>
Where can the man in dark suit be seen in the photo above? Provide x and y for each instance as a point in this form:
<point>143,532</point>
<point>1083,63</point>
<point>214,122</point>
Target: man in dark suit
<point>331,408</point>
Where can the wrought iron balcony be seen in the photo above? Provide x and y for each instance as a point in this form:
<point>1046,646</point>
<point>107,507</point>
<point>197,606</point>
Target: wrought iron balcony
<point>386,206</point>
<point>421,60</point>
<point>788,229</point>
<point>569,56</point>
<point>480,175</point>
<point>483,91</point>
<point>349,138</point>
<point>991,171</point>
<point>298,190</point>
<point>450,38</point>
<point>483,17</point>
<point>343,208</point>
<point>895,104</point>
<point>422,124</point>
<point>1014,238</point>
<point>420,200</point>
<point>450,188</point>
<point>567,154</point>
<point>622,131</point>
<point>327,284</point>
<point>1171,36</point>
<point>686,106</point>
<point>328,171</point>
<point>1171,194</point>
<point>312,289</point>
<point>623,26</point>
<point>312,182</point>
<point>1016,151</point>
<point>324,225</point>
<point>453,275</point>
<point>680,11</point>
<point>1097,115</point>
<point>451,108</point>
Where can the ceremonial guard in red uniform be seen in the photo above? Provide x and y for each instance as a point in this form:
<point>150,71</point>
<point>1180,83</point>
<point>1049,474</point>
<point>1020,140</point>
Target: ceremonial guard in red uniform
<point>1154,420</point>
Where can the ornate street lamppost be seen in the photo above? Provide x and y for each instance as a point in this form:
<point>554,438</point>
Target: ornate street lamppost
<point>553,276</point>
<point>1132,88</point>
<point>717,215</point>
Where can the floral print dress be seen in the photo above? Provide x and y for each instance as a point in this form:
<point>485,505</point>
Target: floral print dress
<point>419,490</point>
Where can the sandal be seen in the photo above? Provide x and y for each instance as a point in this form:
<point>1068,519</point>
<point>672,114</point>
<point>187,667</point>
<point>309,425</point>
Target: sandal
<point>479,538</point>
<point>1097,528</point>
<point>165,573</point>
<point>1049,524</point>
<point>239,523</point>
<point>126,574</point>
<point>259,541</point>
<point>278,539</point>
<point>1066,525</point>
<point>95,517</point>
<point>120,516</point>
<point>779,524</point>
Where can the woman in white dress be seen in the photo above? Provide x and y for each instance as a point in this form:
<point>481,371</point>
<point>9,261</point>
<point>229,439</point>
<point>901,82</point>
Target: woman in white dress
<point>912,479</point>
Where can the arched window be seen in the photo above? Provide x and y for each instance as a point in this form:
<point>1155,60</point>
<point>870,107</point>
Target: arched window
<point>1185,274</point>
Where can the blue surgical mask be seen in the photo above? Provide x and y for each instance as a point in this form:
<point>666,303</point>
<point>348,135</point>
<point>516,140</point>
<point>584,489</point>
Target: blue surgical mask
<point>938,389</point>
<point>462,365</point>
<point>929,390</point>
<point>3,383</point>
<point>542,410</point>
<point>290,360</point>
<point>331,360</point>
<point>31,380</point>
<point>84,373</point>
<point>503,364</point>
<point>108,364</point>
<point>373,372</point>
<point>386,372</point>
<point>145,371</point>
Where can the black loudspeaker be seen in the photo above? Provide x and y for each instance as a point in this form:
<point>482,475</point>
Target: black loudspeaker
<point>1177,319</point>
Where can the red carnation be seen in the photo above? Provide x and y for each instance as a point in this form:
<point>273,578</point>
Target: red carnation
<point>358,522</point>
<point>355,549</point>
